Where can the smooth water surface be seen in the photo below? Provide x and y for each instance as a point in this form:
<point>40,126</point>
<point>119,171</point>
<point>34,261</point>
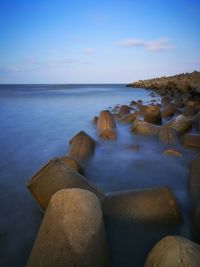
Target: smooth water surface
<point>37,122</point>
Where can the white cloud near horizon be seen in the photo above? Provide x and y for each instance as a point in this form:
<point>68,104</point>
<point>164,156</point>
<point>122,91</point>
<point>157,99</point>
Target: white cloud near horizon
<point>153,46</point>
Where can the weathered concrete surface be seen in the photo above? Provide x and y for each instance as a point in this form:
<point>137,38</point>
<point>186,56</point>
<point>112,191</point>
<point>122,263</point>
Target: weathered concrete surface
<point>192,140</point>
<point>194,177</point>
<point>145,128</point>
<point>127,119</point>
<point>174,251</point>
<point>124,110</point>
<point>56,175</point>
<point>188,110</point>
<point>195,214</point>
<point>167,135</point>
<point>181,124</point>
<point>72,232</point>
<point>172,152</point>
<point>72,163</point>
<point>196,121</point>
<point>82,146</point>
<point>153,115</point>
<point>165,101</point>
<point>147,206</point>
<point>106,125</point>
<point>168,111</point>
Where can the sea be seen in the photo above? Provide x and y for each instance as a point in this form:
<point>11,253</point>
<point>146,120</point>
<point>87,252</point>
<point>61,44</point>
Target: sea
<point>37,121</point>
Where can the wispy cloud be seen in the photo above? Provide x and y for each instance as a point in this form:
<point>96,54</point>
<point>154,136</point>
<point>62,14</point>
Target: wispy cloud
<point>88,51</point>
<point>153,46</point>
<point>8,69</point>
<point>52,62</point>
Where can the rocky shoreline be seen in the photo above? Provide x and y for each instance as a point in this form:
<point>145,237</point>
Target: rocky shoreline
<point>185,82</point>
<point>72,232</point>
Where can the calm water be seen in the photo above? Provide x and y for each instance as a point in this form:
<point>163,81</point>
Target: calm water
<point>37,122</point>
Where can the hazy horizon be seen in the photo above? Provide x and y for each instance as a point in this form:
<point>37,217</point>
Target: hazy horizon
<point>102,42</point>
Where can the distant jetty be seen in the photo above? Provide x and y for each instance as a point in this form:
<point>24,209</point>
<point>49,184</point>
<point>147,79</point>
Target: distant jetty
<point>185,82</point>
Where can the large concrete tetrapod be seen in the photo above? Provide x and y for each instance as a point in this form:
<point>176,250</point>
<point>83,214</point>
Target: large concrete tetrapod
<point>72,232</point>
<point>56,175</point>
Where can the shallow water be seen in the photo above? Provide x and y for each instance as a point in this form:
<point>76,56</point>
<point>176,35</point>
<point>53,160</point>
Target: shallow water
<point>36,124</point>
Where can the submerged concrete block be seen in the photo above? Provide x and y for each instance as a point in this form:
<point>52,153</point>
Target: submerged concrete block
<point>194,177</point>
<point>167,135</point>
<point>174,251</point>
<point>72,232</point>
<point>82,146</point>
<point>172,152</point>
<point>56,175</point>
<point>106,125</point>
<point>192,140</point>
<point>147,206</point>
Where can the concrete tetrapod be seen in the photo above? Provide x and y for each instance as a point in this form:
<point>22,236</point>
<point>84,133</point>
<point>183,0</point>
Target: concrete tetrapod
<point>124,110</point>
<point>153,115</point>
<point>106,125</point>
<point>194,177</point>
<point>181,124</point>
<point>145,128</point>
<point>168,111</point>
<point>74,164</point>
<point>174,251</point>
<point>82,146</point>
<point>129,118</point>
<point>147,206</point>
<point>72,232</point>
<point>56,175</point>
<point>192,140</point>
<point>167,135</point>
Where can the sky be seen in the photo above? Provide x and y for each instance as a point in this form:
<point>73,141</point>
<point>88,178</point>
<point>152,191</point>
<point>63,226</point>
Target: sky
<point>97,41</point>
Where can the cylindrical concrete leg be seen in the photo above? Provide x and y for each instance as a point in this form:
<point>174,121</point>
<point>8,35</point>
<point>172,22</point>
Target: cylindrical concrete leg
<point>192,140</point>
<point>147,206</point>
<point>167,135</point>
<point>106,125</point>
<point>72,232</point>
<point>82,146</point>
<point>145,128</point>
<point>174,251</point>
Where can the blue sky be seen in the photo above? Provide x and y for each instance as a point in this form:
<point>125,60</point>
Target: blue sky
<point>88,41</point>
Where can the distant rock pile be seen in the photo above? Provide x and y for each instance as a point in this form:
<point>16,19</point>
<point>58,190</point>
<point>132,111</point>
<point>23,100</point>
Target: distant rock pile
<point>185,82</point>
